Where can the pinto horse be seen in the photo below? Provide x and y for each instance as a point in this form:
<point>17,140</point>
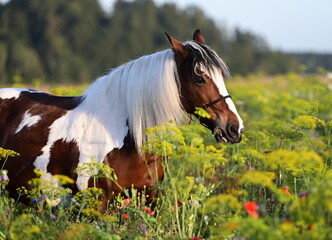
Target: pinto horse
<point>107,123</point>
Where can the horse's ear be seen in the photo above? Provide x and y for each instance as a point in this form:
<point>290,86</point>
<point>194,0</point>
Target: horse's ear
<point>177,46</point>
<point>198,37</point>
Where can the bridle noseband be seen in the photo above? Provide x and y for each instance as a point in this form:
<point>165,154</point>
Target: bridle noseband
<point>215,101</point>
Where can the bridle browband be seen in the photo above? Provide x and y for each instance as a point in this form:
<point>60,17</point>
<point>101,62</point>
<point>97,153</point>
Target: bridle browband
<point>206,106</point>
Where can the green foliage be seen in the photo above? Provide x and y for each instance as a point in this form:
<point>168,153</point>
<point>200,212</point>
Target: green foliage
<point>264,179</point>
<point>201,112</point>
<point>24,227</point>
<point>300,163</point>
<point>163,139</point>
<point>47,188</point>
<point>69,90</point>
<point>96,170</point>
<point>5,153</point>
<point>305,122</point>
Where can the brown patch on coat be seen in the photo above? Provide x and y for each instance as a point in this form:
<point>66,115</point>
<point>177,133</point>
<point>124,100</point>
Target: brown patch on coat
<point>132,171</point>
<point>64,159</point>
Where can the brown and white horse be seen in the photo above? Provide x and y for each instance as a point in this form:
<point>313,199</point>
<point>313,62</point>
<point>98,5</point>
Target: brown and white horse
<point>107,123</point>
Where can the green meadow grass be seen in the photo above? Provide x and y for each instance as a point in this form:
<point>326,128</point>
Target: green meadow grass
<point>275,184</point>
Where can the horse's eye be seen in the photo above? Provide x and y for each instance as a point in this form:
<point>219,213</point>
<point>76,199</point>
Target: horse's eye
<point>199,80</point>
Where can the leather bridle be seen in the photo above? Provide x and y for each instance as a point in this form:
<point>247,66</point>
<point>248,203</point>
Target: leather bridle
<point>206,106</point>
<point>215,101</point>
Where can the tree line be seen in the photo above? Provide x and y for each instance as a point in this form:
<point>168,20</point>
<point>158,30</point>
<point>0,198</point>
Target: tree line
<point>73,41</point>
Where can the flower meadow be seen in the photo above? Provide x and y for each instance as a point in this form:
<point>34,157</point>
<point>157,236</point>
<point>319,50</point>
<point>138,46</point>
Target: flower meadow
<point>275,184</point>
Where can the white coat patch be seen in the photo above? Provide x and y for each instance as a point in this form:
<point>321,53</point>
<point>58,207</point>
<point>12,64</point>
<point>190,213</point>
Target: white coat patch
<point>7,93</point>
<point>28,121</point>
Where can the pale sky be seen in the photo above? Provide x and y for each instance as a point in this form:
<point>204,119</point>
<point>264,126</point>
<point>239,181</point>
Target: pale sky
<point>290,25</point>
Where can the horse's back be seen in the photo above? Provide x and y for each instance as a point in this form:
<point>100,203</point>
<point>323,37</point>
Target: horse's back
<point>26,112</point>
<point>13,106</point>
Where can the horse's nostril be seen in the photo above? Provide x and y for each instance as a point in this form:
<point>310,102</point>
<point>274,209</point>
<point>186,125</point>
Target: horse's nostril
<point>232,130</point>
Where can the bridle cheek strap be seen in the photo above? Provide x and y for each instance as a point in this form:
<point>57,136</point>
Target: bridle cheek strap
<point>215,101</point>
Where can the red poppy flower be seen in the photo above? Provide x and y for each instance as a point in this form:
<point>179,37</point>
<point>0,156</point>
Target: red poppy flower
<point>147,210</point>
<point>125,202</point>
<point>251,208</point>
<point>40,211</point>
<point>285,190</point>
<point>125,216</point>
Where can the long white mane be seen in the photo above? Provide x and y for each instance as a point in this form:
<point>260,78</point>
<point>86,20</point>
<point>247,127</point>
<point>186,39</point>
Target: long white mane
<point>139,94</point>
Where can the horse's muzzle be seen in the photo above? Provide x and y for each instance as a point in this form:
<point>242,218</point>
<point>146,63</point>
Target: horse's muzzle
<point>231,134</point>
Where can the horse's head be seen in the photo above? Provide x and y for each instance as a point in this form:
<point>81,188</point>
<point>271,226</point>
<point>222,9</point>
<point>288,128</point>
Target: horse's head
<point>201,74</point>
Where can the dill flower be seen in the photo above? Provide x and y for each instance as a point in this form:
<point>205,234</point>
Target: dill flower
<point>306,122</point>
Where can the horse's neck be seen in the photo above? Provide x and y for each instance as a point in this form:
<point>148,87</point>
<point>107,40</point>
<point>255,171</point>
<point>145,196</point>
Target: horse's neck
<point>102,114</point>
<point>137,95</point>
